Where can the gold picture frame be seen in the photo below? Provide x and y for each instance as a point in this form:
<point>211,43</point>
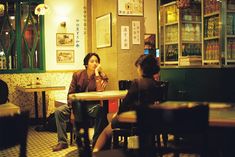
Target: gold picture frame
<point>103,31</point>
<point>64,39</point>
<point>65,56</point>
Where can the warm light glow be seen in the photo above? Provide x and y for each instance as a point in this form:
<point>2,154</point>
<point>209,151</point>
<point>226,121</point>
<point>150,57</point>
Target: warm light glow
<point>41,9</point>
<point>2,8</point>
<point>61,13</point>
<point>12,17</point>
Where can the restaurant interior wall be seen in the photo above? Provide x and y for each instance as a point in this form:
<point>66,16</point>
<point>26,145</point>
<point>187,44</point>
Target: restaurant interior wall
<point>72,14</point>
<point>118,63</point>
<point>56,74</point>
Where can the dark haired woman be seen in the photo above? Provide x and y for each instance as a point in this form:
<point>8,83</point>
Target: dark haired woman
<point>90,79</point>
<point>142,92</point>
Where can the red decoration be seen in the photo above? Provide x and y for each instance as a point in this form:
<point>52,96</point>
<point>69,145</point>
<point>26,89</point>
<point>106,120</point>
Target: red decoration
<point>182,4</point>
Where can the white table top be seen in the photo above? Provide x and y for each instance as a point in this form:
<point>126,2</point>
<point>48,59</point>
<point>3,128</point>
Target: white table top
<point>105,95</point>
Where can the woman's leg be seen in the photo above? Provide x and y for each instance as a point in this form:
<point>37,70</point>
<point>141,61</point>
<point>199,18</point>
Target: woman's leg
<point>104,136</point>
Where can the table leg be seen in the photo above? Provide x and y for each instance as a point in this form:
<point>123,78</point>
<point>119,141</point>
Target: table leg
<point>43,127</point>
<point>36,105</point>
<point>106,106</point>
<point>44,107</point>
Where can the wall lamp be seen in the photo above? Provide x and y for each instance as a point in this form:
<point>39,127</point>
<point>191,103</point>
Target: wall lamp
<point>63,24</point>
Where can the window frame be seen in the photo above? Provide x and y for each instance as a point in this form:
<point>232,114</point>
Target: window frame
<point>18,41</point>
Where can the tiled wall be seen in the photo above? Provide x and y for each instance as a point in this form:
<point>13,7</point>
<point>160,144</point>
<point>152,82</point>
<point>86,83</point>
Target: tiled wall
<point>26,100</point>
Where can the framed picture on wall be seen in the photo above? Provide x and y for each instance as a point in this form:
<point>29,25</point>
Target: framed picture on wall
<point>131,8</point>
<point>103,31</point>
<point>65,56</point>
<point>64,39</point>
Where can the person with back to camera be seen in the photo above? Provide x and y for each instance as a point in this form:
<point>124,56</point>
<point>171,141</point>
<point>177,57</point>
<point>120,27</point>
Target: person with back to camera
<point>4,91</point>
<point>90,79</point>
<point>141,92</point>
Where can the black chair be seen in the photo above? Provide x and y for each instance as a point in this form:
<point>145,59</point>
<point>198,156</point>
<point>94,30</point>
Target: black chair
<point>189,123</point>
<point>124,84</point>
<point>14,131</point>
<point>120,135</point>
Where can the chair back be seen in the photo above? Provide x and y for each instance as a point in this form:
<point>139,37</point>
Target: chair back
<point>124,84</point>
<point>178,121</point>
<point>163,88</point>
<point>13,131</point>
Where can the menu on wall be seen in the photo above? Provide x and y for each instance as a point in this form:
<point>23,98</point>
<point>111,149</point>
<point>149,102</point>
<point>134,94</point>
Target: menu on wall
<point>135,32</point>
<point>125,37</point>
<point>130,7</point>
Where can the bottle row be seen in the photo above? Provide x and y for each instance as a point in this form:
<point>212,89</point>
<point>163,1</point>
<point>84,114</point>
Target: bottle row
<point>191,32</point>
<point>172,52</point>
<point>211,6</point>
<point>171,14</point>
<point>172,33</point>
<point>230,24</point>
<point>212,50</point>
<point>3,62</point>
<point>231,49</point>
<point>211,27</point>
<point>191,49</point>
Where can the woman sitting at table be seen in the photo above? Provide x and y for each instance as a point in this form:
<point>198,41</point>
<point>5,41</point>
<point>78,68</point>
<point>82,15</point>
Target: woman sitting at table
<point>90,79</point>
<point>142,92</point>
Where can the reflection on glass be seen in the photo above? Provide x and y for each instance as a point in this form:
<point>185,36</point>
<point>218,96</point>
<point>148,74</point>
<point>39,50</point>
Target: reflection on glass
<point>30,36</point>
<point>8,57</point>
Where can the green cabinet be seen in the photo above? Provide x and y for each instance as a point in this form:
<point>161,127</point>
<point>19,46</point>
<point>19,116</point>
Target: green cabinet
<point>200,84</point>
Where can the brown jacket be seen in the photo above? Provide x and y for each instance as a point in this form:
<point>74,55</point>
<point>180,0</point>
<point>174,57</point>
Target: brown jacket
<point>81,83</point>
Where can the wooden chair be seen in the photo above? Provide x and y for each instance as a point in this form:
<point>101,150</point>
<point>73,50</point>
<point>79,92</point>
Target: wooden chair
<point>189,123</point>
<point>14,131</point>
<point>120,135</point>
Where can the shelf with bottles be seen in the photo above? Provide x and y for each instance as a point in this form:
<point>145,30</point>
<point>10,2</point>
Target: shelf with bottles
<point>211,51</point>
<point>230,34</point>
<point>9,64</point>
<point>230,49</point>
<point>171,12</point>
<point>192,14</point>
<point>230,27</point>
<point>211,27</point>
<point>231,5</point>
<point>191,32</point>
<point>171,53</point>
<point>171,34</point>
<point>211,7</point>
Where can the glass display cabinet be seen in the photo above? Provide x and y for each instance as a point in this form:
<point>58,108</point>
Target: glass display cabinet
<point>180,34</point>
<point>21,37</point>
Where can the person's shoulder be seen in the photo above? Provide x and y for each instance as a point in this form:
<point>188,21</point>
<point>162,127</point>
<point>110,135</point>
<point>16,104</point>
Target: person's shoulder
<point>79,72</point>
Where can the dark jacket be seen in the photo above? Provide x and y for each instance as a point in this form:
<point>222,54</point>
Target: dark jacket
<point>144,91</point>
